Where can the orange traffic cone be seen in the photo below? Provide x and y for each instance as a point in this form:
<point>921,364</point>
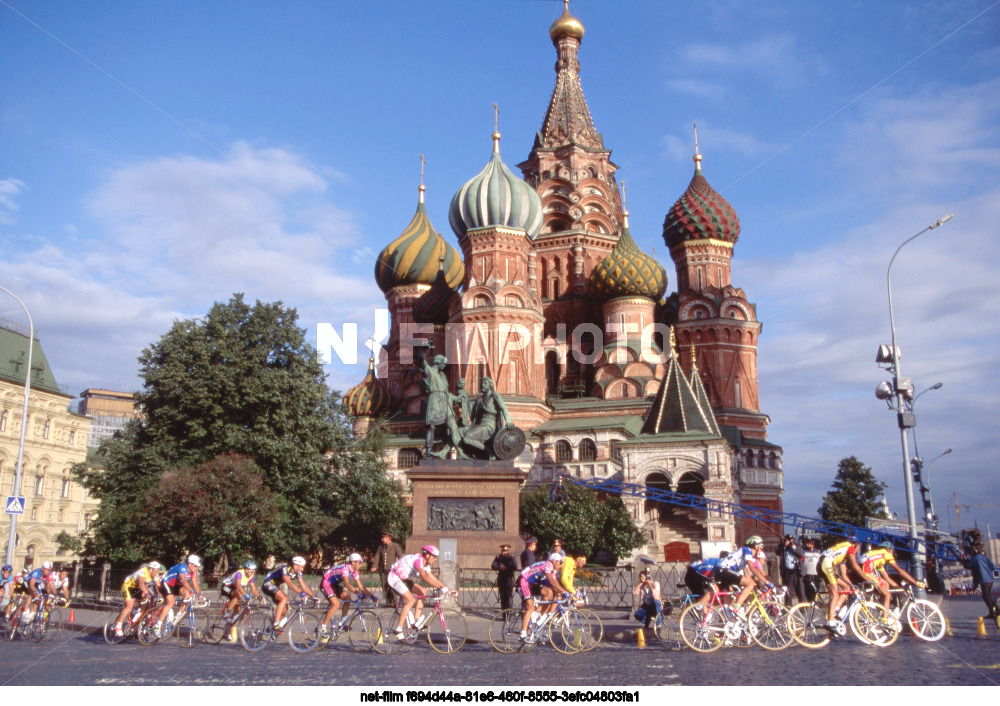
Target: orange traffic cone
<point>947,627</point>
<point>642,637</point>
<point>981,627</point>
<point>72,617</point>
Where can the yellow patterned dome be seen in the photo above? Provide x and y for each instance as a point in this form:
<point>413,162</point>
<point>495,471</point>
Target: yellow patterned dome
<point>413,257</point>
<point>369,398</point>
<point>627,271</point>
<point>566,25</point>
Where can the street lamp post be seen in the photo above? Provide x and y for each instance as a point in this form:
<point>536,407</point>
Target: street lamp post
<point>902,389</point>
<point>19,471</point>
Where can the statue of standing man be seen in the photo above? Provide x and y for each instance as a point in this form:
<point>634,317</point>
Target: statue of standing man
<point>440,406</point>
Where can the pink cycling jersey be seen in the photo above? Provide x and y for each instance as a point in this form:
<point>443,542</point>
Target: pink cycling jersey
<point>536,572</point>
<point>340,573</point>
<point>407,567</point>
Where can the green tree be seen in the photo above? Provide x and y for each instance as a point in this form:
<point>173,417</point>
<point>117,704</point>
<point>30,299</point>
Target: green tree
<point>242,380</point>
<point>587,522</point>
<point>854,496</point>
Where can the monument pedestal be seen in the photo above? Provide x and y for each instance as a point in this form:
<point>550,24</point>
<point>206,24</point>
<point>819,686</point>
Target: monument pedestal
<point>467,507</point>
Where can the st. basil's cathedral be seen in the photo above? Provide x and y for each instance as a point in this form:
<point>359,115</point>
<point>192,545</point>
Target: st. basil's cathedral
<point>551,298</point>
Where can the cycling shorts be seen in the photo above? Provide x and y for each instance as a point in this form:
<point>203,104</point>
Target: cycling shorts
<point>131,592</point>
<point>166,589</point>
<point>337,588</point>
<point>271,590</point>
<point>226,591</point>
<point>530,590</point>
<point>399,585</point>
<point>696,583</point>
<point>728,579</point>
<point>828,571</point>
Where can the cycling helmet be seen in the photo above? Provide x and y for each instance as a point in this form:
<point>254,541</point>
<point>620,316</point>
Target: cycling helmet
<point>8,567</point>
<point>355,557</point>
<point>555,557</point>
<point>47,565</point>
<point>430,549</point>
<point>298,561</point>
<point>250,565</point>
<point>754,540</point>
<point>154,565</point>
<point>885,545</point>
<point>195,560</point>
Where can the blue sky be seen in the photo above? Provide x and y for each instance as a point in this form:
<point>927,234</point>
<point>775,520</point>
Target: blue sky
<point>157,157</point>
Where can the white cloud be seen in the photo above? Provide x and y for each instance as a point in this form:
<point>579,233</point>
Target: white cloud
<point>10,189</point>
<point>778,59</point>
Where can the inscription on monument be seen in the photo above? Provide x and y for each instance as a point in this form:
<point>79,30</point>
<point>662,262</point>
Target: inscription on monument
<point>482,514</point>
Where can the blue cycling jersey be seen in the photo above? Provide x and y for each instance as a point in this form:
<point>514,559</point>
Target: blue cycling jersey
<point>173,575</point>
<point>40,580</point>
<point>706,567</point>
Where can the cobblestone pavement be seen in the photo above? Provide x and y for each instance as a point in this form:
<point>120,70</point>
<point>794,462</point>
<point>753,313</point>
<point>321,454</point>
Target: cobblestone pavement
<point>965,658</point>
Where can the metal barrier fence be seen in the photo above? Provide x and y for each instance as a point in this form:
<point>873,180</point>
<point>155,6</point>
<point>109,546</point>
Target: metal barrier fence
<point>607,588</point>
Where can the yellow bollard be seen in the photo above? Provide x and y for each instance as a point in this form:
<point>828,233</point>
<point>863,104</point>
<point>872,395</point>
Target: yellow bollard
<point>642,637</point>
<point>947,627</point>
<point>981,627</point>
<point>232,634</point>
<point>378,636</point>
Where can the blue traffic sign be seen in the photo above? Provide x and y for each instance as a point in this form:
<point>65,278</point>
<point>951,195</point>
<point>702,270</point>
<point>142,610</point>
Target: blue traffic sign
<point>15,505</point>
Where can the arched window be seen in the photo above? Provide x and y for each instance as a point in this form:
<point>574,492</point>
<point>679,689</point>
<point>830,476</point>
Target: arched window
<point>772,460</point>
<point>588,450</point>
<point>616,451</point>
<point>551,372</point>
<point>661,511</point>
<point>407,458</point>
<point>29,558</point>
<point>45,428</point>
<point>39,483</point>
<point>564,452</point>
<point>3,420</point>
<point>749,457</point>
<point>65,487</point>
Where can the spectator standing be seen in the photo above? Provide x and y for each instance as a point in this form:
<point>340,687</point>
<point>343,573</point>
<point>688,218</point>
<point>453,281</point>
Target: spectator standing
<point>810,568</point>
<point>505,566</point>
<point>650,599</point>
<point>386,555</point>
<point>982,575</point>
<point>557,548</point>
<point>528,555</point>
<point>791,571</point>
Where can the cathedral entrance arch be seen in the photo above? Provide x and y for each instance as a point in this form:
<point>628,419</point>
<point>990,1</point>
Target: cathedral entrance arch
<point>653,509</point>
<point>551,372</point>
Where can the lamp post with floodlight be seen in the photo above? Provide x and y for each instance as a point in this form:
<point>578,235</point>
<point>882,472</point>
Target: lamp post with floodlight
<point>901,393</point>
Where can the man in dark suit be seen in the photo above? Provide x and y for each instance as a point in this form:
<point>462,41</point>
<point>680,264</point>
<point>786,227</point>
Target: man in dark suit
<point>528,555</point>
<point>505,566</point>
<point>386,555</point>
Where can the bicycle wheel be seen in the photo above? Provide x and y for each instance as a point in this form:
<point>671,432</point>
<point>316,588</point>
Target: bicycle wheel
<point>873,624</point>
<point>10,629</point>
<point>926,620</point>
<point>383,633</point>
<point>572,634</point>
<point>109,628</point>
<point>191,628</point>
<point>256,630</point>
<point>303,632</point>
<point>596,629</point>
<point>667,627</point>
<point>770,621</point>
<point>446,633</point>
<point>359,631</point>
<point>216,628</point>
<point>505,629</point>
<point>144,630</point>
<point>53,624</point>
<point>807,625</point>
<point>36,630</point>
<point>701,632</point>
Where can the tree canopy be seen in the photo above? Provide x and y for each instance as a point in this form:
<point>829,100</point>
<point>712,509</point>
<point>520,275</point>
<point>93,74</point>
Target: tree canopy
<point>242,448</point>
<point>587,522</point>
<point>854,496</point>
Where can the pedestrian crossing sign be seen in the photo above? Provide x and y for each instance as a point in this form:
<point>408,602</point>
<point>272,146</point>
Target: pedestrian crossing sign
<point>15,505</point>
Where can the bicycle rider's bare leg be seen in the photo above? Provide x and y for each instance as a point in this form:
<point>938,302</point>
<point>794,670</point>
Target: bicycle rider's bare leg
<point>420,594</point>
<point>281,605</point>
<point>334,604</point>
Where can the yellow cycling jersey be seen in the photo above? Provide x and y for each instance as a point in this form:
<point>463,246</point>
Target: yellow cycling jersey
<point>568,573</point>
<point>877,558</point>
<point>838,552</point>
<point>132,580</point>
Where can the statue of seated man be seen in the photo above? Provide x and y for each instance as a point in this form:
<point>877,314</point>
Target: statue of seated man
<point>487,414</point>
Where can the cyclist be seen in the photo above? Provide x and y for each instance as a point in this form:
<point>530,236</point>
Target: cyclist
<point>37,583</point>
<point>700,578</point>
<point>401,581</point>
<point>539,579</point>
<point>180,580</point>
<point>338,584</point>
<point>20,588</point>
<point>741,569</point>
<point>833,564</point>
<point>568,573</point>
<point>6,586</point>
<point>234,587</point>
<point>283,575</point>
<point>873,567</point>
<point>138,584</point>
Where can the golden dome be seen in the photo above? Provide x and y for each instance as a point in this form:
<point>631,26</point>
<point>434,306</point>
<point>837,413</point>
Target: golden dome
<point>369,398</point>
<point>627,271</point>
<point>566,26</point>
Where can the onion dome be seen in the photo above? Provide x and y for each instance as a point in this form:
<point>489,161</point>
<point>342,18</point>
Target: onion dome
<point>433,305</point>
<point>413,257</point>
<point>566,26</point>
<point>700,213</point>
<point>496,197</point>
<point>369,398</point>
<point>627,271</point>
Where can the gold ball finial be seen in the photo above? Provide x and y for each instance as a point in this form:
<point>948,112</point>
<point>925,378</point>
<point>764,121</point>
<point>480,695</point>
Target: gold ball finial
<point>566,26</point>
